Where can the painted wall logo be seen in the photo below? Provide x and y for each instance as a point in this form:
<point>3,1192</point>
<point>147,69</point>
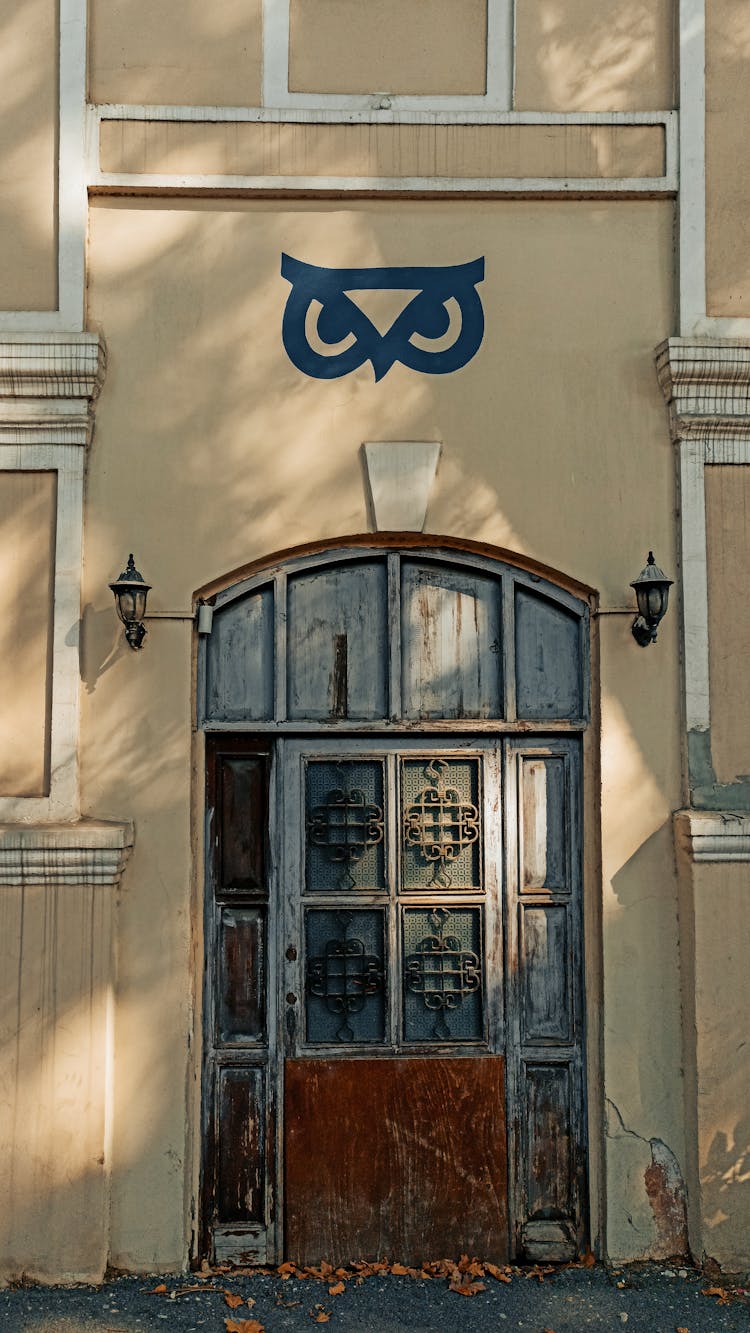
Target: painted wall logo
<point>326,334</point>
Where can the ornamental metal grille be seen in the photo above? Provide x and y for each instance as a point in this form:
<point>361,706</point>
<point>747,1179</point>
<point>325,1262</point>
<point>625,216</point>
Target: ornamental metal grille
<point>441,824</point>
<point>345,976</point>
<point>345,825</point>
<point>443,975</point>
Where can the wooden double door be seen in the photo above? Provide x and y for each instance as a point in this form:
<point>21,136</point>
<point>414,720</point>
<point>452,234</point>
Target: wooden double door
<point>394,1006</point>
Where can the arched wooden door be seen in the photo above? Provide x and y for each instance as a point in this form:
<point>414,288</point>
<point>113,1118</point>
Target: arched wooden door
<point>394,993</point>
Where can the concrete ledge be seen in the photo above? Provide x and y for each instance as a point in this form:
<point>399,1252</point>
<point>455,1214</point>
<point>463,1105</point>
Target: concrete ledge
<point>706,384</point>
<point>62,365</point>
<point>714,835</point>
<point>55,855</point>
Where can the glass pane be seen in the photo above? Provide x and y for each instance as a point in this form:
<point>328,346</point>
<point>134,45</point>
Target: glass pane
<point>443,974</point>
<point>241,1010</point>
<point>441,824</point>
<point>345,825</point>
<point>345,976</point>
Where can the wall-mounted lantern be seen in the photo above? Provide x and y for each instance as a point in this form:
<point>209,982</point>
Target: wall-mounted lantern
<point>131,591</point>
<point>652,592</point>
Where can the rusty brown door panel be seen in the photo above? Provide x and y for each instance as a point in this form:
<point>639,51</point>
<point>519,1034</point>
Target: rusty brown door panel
<point>401,1158</point>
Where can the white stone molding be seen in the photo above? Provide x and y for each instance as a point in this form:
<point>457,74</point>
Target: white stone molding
<point>63,366</point>
<point>56,855</point>
<point>715,835</point>
<point>706,385</point>
<point>400,476</point>
<point>48,386</point>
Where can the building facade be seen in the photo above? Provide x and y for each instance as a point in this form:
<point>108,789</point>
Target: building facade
<point>390,867</point>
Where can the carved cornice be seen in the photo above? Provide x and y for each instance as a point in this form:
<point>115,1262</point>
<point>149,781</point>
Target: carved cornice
<point>56,855</point>
<point>714,836</point>
<point>706,385</point>
<point>48,386</point>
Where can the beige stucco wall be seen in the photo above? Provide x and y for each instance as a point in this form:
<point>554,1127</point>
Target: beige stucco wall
<point>28,145</point>
<point>184,53</point>
<point>228,453</point>
<point>728,549</point>
<point>394,151</point>
<point>55,965</point>
<point>27,544</point>
<point>727,184</point>
<point>716,931</point>
<point>594,55</point>
<point>437,46</point>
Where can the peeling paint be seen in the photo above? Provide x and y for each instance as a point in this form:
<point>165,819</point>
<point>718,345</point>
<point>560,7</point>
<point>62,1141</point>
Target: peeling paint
<point>706,792</point>
<point>666,1191</point>
<point>667,1195</point>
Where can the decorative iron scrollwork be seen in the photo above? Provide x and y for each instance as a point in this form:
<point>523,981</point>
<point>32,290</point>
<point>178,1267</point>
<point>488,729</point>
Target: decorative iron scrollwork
<point>440,823</point>
<point>442,972</point>
<point>345,826</point>
<point>344,976</point>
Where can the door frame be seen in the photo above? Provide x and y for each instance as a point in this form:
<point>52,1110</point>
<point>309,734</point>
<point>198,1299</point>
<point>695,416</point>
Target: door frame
<point>256,732</point>
<point>285,759</point>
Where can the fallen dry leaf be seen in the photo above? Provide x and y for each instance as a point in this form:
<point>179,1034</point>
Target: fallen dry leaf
<point>244,1326</point>
<point>464,1286</point>
<point>681,1329</point>
<point>337,1289</point>
<point>233,1300</point>
<point>719,1292</point>
<point>398,1270</point>
<point>286,1270</point>
<point>160,1290</point>
<point>319,1315</point>
<point>499,1274</point>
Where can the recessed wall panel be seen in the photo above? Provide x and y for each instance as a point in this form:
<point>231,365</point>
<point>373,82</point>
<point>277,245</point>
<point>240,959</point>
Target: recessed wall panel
<point>27,545</point>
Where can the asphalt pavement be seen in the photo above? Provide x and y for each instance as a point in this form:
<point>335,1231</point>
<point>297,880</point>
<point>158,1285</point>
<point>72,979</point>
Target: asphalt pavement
<point>653,1298</point>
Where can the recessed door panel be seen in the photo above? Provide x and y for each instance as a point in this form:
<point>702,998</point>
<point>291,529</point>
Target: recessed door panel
<point>397,1158</point>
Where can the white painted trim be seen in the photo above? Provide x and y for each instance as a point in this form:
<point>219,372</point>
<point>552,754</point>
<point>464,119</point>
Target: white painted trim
<point>196,184</point>
<point>715,836</point>
<point>70,187</point>
<point>692,221</point>
<point>694,584</point>
<point>276,70</point>
<point>47,391</point>
<point>56,855</point>
<point>72,200</point>
<point>374,116</point>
